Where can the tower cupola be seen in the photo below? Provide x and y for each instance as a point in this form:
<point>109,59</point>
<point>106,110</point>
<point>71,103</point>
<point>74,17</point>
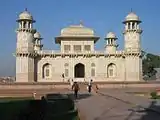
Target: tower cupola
<point>132,22</point>
<point>25,20</point>
<point>111,39</point>
<point>25,32</point>
<point>111,45</point>
<point>132,17</point>
<point>25,16</point>
<point>37,41</point>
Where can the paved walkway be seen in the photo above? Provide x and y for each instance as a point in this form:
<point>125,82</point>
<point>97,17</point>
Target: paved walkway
<point>98,108</point>
<point>132,99</point>
<point>116,105</point>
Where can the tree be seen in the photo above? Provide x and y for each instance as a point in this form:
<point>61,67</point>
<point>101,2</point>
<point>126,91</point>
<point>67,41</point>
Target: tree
<point>149,62</point>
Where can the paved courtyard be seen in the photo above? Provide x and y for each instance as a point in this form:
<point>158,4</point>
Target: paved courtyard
<point>116,105</point>
<point>107,104</point>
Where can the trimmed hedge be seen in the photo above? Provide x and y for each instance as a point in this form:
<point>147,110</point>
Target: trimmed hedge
<point>58,108</point>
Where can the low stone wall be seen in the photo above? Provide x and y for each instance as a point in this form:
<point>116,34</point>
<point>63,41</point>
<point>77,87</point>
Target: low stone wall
<point>141,84</point>
<point>128,85</point>
<point>60,85</point>
<point>33,86</point>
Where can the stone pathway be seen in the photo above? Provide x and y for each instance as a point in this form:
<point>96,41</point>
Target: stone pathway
<point>132,99</point>
<point>98,108</point>
<point>115,105</point>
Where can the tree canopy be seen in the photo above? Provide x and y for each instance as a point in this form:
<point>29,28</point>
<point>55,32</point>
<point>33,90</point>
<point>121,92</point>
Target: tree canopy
<point>149,62</point>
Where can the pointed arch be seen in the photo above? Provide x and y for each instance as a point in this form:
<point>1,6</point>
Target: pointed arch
<point>111,70</point>
<point>79,70</point>
<point>46,71</point>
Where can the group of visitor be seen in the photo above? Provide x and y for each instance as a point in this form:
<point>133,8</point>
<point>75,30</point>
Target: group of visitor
<point>75,87</point>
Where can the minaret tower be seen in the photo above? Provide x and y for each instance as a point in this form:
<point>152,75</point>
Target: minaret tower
<point>111,46</point>
<point>132,33</point>
<point>132,48</point>
<point>37,41</point>
<point>25,48</point>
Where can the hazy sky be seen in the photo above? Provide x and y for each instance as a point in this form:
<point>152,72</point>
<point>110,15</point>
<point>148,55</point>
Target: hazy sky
<point>52,15</point>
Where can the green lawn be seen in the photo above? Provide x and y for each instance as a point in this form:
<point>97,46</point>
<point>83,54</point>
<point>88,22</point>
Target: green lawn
<point>15,98</point>
<point>143,94</point>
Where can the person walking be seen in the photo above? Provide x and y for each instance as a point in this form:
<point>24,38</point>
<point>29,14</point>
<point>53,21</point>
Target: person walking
<point>97,88</point>
<point>34,95</point>
<point>75,87</point>
<point>90,86</point>
<point>71,82</point>
<point>63,76</point>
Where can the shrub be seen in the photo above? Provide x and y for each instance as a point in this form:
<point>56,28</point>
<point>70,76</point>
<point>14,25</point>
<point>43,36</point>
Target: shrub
<point>154,95</point>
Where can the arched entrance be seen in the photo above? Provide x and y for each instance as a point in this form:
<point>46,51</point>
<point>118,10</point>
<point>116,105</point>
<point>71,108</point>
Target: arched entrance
<point>79,71</point>
<point>111,70</point>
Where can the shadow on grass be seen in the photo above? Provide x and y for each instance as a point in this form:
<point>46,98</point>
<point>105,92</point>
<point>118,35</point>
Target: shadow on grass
<point>80,96</point>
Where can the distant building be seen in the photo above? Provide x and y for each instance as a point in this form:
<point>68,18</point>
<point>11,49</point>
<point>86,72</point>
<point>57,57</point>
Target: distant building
<point>77,58</point>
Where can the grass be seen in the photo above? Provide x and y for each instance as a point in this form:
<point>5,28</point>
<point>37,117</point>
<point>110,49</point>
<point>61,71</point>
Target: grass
<point>146,94</point>
<point>152,95</point>
<point>15,98</point>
